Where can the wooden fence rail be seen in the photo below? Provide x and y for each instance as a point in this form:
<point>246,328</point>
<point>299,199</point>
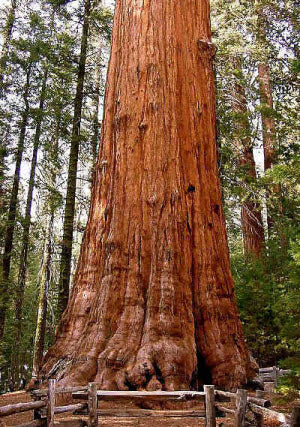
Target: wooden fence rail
<point>20,407</point>
<point>214,401</point>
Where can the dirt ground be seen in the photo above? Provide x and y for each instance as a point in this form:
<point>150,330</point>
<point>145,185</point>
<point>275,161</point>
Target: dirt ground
<point>21,396</point>
<point>16,397</point>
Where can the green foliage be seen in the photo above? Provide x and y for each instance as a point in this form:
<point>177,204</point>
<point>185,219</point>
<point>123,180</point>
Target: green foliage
<point>101,21</point>
<point>267,289</point>
<point>268,295</point>
<point>289,385</point>
<point>47,36</point>
<point>295,66</point>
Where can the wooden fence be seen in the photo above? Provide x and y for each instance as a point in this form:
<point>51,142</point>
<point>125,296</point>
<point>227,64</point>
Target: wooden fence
<point>215,401</point>
<point>272,374</point>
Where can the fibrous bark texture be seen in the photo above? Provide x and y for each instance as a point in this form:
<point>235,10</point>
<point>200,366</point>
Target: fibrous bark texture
<point>153,304</point>
<point>251,216</point>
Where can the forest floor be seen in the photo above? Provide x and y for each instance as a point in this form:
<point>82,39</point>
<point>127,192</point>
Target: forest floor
<point>278,404</point>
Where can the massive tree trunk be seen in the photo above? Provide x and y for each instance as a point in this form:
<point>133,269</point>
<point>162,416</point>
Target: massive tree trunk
<point>66,253</point>
<point>25,238</point>
<point>9,235</point>
<point>153,304</point>
<point>251,217</point>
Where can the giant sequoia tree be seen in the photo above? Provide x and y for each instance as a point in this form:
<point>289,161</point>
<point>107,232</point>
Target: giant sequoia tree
<point>153,304</point>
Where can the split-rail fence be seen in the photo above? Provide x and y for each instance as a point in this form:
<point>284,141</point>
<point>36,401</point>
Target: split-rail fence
<point>215,401</point>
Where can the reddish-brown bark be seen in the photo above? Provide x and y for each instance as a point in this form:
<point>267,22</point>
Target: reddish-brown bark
<point>251,216</point>
<point>153,299</point>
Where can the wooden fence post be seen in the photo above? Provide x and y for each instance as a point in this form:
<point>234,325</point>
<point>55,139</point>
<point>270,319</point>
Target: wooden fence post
<point>93,404</point>
<point>51,402</point>
<point>275,375</point>
<point>259,418</point>
<point>260,394</point>
<point>36,412</point>
<point>295,418</point>
<point>210,408</point>
<point>241,406</point>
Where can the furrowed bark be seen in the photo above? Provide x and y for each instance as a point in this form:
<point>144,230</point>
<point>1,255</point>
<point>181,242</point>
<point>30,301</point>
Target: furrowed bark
<point>25,238</point>
<point>152,306</point>
<point>8,244</point>
<point>251,217</point>
<point>66,254</point>
<point>5,47</point>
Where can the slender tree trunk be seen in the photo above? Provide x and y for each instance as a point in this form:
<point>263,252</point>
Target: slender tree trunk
<point>251,217</point>
<point>66,254</point>
<point>267,120</point>
<point>3,61</point>
<point>7,37</point>
<point>96,124</point>
<point>3,154</point>
<point>152,306</point>
<point>268,125</point>
<point>46,273</point>
<point>8,245</point>
<point>25,237</point>
<point>266,97</point>
<point>43,301</point>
